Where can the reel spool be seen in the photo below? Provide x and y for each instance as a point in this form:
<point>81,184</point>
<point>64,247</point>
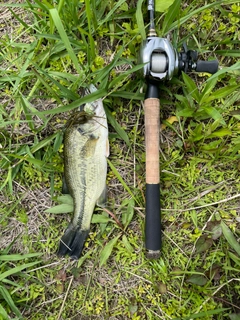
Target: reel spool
<point>159,63</point>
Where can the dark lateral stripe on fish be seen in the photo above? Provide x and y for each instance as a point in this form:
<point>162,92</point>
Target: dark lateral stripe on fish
<point>80,217</point>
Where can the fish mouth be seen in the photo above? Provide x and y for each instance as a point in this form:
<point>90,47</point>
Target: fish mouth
<point>84,92</point>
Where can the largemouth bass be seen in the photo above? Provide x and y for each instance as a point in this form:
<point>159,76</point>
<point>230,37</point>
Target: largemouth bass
<point>86,150</point>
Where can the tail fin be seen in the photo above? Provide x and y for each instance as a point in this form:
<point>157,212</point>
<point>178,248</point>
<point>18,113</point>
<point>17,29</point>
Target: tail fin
<point>72,242</point>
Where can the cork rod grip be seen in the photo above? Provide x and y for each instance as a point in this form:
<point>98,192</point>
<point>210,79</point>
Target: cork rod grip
<point>153,241</point>
<point>151,118</point>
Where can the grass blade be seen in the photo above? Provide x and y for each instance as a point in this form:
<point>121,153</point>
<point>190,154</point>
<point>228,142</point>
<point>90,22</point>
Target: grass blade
<point>203,314</point>
<point>89,19</point>
<point>3,313</point>
<point>17,269</point>
<point>172,13</point>
<point>30,53</point>
<point>7,297</point>
<point>117,174</point>
<point>121,132</point>
<point>140,21</point>
<point>230,238</point>
<point>58,23</point>
<point>196,12</point>
<point>86,99</point>
<point>232,69</point>
<point>18,257</point>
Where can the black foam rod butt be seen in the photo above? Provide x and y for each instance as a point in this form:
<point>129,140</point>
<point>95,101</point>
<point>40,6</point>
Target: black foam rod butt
<point>153,239</point>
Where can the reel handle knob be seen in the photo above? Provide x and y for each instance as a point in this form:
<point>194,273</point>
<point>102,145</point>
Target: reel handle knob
<point>207,66</point>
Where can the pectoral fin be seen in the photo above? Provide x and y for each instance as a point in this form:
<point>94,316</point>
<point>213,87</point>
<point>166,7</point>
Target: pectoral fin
<point>102,200</point>
<point>89,148</point>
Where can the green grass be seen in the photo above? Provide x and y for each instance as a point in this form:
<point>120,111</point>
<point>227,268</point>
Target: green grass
<point>50,51</point>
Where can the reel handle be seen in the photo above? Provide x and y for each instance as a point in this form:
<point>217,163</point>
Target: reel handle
<point>207,66</point>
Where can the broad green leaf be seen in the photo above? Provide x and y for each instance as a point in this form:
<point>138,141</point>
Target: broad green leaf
<point>24,103</point>
<point>220,133</point>
<point>197,279</point>
<point>7,297</point>
<point>65,198</point>
<point>61,208</point>
<point>216,232</point>
<point>214,113</point>
<point>184,101</point>
<point>99,218</point>
<point>208,89</point>
<point>197,133</point>
<point>185,112</point>
<point>230,238</point>
<point>163,5</point>
<point>203,244</point>
<point>234,258</point>
<point>128,215</point>
<point>58,141</point>
<point>127,244</point>
<point>212,146</point>
<point>107,250</point>
<point>194,218</point>
<point>215,125</point>
<point>191,87</point>
<point>222,93</point>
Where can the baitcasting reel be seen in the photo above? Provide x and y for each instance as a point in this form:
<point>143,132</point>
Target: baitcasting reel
<point>162,62</point>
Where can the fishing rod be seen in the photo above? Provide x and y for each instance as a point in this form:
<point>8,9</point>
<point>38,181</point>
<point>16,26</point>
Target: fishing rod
<point>161,62</point>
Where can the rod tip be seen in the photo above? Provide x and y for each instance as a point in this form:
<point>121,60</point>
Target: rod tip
<point>153,254</point>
